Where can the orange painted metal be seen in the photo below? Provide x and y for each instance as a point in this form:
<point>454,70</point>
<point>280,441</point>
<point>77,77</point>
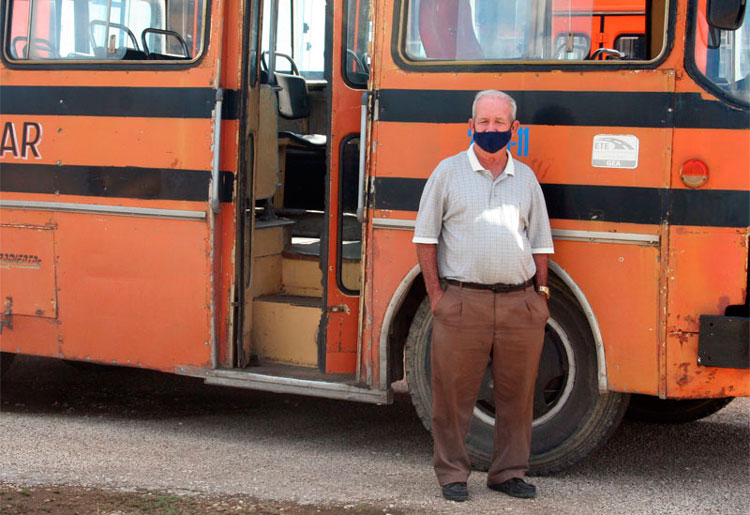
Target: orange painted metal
<point>341,321</point>
<point>636,291</point>
<point>551,163</point>
<point>112,303</point>
<point>27,270</point>
<point>141,142</point>
<point>133,290</point>
<point>707,272</point>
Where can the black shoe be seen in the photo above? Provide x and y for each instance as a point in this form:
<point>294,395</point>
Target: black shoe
<point>455,492</point>
<point>515,487</point>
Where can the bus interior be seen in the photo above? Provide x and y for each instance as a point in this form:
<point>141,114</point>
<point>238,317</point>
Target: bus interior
<point>292,203</point>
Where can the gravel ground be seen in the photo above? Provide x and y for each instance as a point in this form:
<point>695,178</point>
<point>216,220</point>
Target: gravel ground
<point>128,429</point>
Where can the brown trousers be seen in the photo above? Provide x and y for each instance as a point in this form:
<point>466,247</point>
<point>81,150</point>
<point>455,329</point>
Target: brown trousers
<point>470,327</point>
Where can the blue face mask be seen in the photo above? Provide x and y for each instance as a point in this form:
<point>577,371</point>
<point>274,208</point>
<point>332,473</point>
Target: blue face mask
<point>492,141</point>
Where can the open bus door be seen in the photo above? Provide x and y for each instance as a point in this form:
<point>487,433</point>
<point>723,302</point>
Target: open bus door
<point>303,242</point>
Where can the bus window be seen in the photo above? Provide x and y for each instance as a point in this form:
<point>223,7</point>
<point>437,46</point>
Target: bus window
<point>357,32</point>
<point>527,30</point>
<point>300,35</point>
<point>104,30</point>
<point>722,57</point>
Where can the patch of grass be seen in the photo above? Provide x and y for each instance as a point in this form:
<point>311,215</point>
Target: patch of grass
<point>167,504</point>
<point>63,500</point>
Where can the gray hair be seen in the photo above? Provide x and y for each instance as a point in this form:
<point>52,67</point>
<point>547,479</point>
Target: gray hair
<point>497,94</point>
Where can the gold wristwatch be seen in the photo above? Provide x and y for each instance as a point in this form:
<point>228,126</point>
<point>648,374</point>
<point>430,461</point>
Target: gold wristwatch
<point>544,290</point>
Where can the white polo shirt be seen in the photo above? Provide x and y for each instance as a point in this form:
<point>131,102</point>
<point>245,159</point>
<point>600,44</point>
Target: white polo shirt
<point>486,229</point>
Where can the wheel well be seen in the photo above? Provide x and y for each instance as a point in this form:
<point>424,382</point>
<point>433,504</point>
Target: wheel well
<point>399,327</point>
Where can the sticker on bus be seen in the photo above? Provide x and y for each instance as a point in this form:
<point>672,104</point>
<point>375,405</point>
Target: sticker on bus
<point>11,260</point>
<point>615,151</point>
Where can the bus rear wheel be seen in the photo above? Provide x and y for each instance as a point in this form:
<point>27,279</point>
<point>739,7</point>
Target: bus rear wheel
<point>673,411</point>
<point>571,417</point>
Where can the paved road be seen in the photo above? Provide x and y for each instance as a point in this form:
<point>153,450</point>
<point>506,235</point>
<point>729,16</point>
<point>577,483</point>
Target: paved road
<point>127,428</point>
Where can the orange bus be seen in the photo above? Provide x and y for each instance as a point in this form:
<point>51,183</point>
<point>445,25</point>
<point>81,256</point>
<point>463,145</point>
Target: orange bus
<point>227,189</point>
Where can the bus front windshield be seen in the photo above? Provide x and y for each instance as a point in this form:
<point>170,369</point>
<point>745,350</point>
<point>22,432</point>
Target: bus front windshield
<point>723,56</point>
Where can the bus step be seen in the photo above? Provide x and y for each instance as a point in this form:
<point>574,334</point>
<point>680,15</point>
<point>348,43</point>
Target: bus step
<point>294,380</point>
<point>301,275</point>
<point>285,329</point>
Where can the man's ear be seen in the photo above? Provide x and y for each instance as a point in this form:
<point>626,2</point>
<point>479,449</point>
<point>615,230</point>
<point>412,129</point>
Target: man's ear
<point>515,125</point>
<point>471,125</point>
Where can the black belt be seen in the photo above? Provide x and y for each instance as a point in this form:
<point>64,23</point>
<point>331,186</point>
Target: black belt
<point>496,288</point>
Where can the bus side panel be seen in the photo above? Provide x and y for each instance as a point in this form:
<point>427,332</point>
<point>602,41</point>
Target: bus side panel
<point>623,291</point>
<point>707,263</point>
<point>708,273</point>
<point>32,335</point>
<point>623,286</point>
<point>167,143</point>
<point>556,154</point>
<point>130,290</point>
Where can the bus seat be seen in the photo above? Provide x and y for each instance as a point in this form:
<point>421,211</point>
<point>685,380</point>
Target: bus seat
<point>304,140</point>
<point>294,99</point>
<point>120,54</point>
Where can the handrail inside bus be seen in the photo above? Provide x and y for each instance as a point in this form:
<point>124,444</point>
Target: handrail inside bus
<point>272,42</point>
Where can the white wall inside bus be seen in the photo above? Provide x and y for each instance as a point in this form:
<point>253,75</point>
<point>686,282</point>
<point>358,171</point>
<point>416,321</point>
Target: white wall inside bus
<point>137,15</point>
<point>300,33</point>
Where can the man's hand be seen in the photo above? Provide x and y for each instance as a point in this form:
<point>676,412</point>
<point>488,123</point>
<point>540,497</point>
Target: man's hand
<point>427,255</point>
<point>435,298</point>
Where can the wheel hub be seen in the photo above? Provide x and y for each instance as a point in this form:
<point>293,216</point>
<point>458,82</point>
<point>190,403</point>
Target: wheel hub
<point>554,381</point>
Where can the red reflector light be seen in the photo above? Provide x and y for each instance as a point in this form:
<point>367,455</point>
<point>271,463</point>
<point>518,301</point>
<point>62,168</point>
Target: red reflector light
<point>694,173</point>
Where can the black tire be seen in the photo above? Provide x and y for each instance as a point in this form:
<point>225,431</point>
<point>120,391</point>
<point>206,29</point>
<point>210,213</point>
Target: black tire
<point>6,360</point>
<point>672,411</point>
<point>571,417</point>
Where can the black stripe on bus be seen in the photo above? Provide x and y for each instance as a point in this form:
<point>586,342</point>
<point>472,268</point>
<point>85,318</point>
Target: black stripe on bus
<point>568,108</point>
<point>113,182</point>
<point>562,108</point>
<point>710,208</point>
<point>116,101</point>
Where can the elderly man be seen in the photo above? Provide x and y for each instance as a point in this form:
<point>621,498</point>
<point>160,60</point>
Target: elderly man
<point>483,239</point>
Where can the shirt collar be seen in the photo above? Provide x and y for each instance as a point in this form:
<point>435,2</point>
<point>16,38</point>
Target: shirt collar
<point>510,168</point>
